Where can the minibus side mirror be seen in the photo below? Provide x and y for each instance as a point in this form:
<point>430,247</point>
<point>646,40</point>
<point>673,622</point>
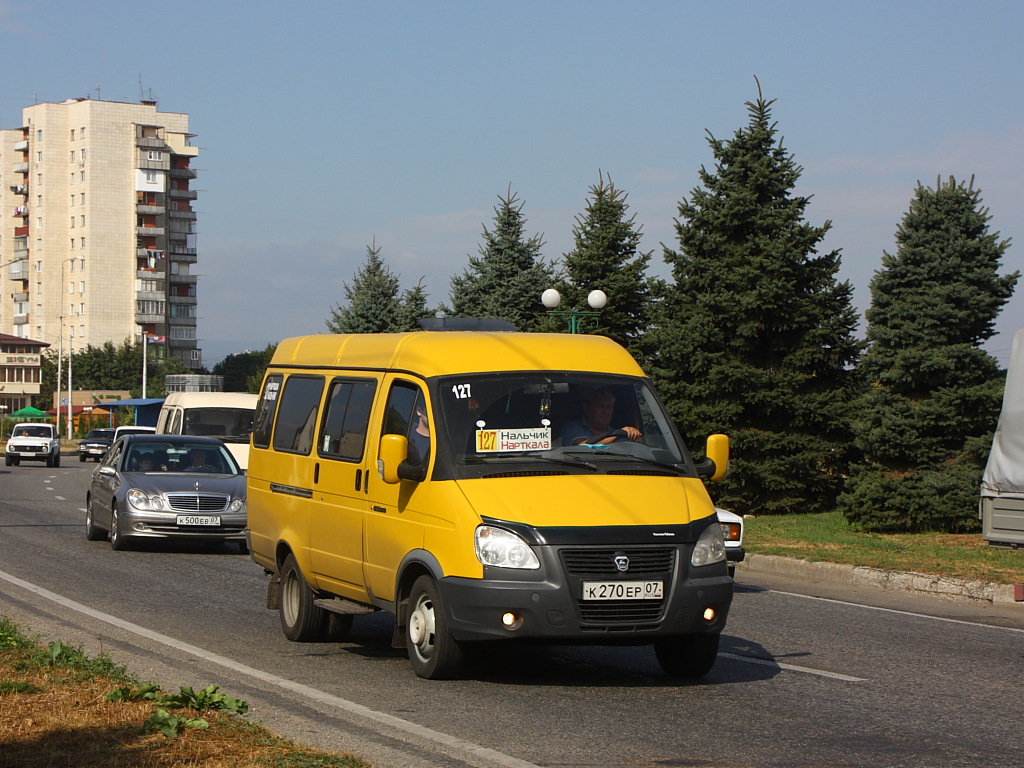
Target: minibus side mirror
<point>394,465</point>
<point>716,463</point>
<point>394,449</point>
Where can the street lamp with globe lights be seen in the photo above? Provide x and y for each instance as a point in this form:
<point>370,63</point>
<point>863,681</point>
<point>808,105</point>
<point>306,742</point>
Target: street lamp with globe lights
<point>596,299</point>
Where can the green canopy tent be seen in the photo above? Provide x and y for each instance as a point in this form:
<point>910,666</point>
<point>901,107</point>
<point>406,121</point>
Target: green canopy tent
<point>28,412</point>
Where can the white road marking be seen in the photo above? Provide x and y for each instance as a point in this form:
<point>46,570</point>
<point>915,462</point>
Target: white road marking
<point>495,757</point>
<point>793,668</point>
<point>899,612</point>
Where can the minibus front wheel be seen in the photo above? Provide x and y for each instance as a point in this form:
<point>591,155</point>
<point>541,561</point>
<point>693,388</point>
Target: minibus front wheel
<point>687,655</point>
<point>433,652</point>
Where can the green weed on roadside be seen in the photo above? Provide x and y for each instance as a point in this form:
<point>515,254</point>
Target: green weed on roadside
<point>170,725</point>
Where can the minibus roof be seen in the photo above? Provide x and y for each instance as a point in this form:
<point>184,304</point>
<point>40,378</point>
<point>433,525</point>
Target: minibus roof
<point>432,353</point>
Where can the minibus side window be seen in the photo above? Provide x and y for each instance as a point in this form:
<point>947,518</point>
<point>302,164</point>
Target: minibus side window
<point>347,417</point>
<point>265,410</point>
<point>175,422</point>
<point>402,417</point>
<point>296,414</point>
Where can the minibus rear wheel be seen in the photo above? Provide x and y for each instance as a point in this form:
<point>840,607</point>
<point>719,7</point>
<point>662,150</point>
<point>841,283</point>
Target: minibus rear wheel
<point>301,620</point>
<point>687,655</point>
<point>433,652</point>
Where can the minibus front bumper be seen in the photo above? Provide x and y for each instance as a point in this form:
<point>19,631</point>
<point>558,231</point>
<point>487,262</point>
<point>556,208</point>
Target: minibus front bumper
<point>572,602</point>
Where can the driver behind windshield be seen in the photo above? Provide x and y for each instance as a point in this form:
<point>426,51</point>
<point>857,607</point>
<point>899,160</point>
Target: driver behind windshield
<point>596,425</point>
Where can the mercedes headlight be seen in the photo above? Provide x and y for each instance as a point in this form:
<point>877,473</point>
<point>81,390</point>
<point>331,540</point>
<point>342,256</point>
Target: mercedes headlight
<point>140,500</point>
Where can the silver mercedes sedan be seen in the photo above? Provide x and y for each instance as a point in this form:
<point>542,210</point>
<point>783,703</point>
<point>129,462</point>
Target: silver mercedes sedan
<point>151,486</point>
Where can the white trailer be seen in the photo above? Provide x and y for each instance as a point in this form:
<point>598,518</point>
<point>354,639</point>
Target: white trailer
<point>1002,485</point>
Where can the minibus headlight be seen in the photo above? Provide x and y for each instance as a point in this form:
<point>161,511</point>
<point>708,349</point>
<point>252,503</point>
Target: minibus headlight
<point>710,547</point>
<point>503,549</point>
<point>140,500</point>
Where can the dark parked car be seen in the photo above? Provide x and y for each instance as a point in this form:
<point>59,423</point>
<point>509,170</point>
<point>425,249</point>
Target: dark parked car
<point>95,444</point>
<point>153,486</point>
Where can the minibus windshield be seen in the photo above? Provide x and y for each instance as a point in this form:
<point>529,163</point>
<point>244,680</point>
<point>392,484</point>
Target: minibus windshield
<point>560,421</point>
<point>232,425</point>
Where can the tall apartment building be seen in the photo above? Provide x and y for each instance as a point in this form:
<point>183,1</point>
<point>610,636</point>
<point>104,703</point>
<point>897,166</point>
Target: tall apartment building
<point>97,229</point>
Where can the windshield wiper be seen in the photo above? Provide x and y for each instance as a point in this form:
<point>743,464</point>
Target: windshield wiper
<point>627,456</point>
<point>530,455</point>
<point>568,462</point>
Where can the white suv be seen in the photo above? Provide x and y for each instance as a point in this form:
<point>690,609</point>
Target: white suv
<point>33,442</point>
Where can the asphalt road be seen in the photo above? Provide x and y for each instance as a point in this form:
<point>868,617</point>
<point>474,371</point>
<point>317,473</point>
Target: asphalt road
<point>808,674</point>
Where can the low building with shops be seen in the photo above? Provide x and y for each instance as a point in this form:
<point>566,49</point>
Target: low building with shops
<point>21,371</point>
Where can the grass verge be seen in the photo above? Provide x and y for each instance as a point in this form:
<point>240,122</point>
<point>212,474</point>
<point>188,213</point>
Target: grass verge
<point>828,537</point>
<point>54,711</point>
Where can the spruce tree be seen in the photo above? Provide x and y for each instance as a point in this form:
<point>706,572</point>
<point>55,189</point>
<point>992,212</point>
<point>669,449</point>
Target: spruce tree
<point>241,369</point>
<point>413,306</point>
<point>925,422</point>
<point>373,303</point>
<point>508,277</point>
<point>606,257</point>
<point>755,336</point>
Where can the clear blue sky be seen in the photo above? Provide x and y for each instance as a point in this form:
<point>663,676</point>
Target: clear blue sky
<point>326,125</point>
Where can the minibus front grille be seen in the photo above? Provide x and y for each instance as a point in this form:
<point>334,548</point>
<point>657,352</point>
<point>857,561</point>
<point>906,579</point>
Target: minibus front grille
<point>602,562</point>
<point>621,613</point>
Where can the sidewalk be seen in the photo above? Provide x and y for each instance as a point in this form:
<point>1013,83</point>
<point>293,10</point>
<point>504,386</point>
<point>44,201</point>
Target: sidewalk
<point>946,587</point>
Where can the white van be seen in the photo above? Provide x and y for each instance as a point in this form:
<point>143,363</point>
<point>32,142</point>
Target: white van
<point>224,415</point>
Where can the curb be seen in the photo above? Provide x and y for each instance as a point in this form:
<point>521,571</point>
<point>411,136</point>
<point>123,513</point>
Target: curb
<point>945,587</point>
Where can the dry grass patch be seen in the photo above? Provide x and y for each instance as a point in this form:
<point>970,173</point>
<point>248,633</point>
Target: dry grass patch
<point>54,712</point>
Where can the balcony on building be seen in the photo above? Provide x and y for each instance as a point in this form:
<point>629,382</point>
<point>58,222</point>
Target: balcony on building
<point>21,167</point>
<point>154,210</point>
<point>21,319</point>
<point>18,270</point>
<point>20,296</point>
<point>19,189</point>
<point>181,173</point>
<point>21,211</point>
<point>21,231</point>
<point>188,215</point>
<point>183,194</point>
<point>184,258</point>
<point>144,319</point>
<point>149,231</point>
<point>182,279</point>
<point>21,146</point>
